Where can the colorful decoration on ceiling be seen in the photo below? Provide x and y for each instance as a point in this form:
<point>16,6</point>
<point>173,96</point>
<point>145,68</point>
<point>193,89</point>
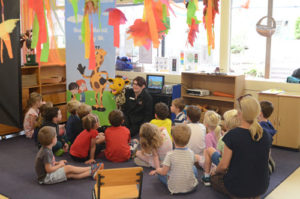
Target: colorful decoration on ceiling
<point>154,24</point>
<point>246,4</point>
<point>115,18</point>
<point>211,8</point>
<point>192,21</point>
<point>6,27</point>
<point>40,39</point>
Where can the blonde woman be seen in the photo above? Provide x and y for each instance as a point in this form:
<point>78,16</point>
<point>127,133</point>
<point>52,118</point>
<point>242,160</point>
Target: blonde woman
<point>243,171</point>
<point>155,143</point>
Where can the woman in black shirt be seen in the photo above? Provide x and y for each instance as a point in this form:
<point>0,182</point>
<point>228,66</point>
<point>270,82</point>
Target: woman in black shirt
<point>138,106</point>
<point>243,171</point>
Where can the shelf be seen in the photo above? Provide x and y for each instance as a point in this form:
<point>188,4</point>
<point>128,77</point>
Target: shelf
<point>57,84</point>
<point>33,86</point>
<point>49,65</point>
<point>29,67</point>
<point>210,97</point>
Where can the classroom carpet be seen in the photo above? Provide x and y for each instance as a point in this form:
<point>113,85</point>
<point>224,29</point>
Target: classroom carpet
<point>18,178</point>
<point>289,188</point>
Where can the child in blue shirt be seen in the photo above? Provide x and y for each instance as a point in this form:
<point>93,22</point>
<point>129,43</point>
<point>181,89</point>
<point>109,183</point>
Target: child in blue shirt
<point>266,111</point>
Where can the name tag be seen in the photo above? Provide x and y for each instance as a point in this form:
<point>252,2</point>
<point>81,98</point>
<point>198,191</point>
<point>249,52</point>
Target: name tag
<point>131,98</point>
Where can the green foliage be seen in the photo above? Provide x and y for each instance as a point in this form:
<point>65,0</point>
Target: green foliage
<point>297,28</point>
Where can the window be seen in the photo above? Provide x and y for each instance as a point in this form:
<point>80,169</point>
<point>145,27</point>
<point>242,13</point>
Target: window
<point>248,48</point>
<point>175,43</point>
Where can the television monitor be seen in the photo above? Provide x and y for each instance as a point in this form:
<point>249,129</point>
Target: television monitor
<point>155,83</point>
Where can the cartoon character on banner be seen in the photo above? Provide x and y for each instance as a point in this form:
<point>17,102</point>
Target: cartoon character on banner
<point>73,88</point>
<point>98,79</point>
<point>118,89</point>
<point>82,88</point>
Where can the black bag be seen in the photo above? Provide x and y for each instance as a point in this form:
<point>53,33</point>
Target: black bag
<point>296,73</point>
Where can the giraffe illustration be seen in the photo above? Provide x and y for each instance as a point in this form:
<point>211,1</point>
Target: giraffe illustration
<point>98,79</point>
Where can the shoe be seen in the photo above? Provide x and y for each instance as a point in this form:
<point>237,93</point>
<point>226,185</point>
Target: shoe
<point>59,152</point>
<point>272,163</point>
<point>206,181</point>
<point>95,168</point>
<point>140,162</point>
<point>133,148</point>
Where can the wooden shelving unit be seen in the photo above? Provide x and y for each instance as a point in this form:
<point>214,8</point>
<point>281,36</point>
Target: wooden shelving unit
<point>37,80</point>
<point>231,84</point>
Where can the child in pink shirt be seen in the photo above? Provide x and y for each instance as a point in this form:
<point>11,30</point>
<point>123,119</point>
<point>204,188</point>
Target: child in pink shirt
<point>211,122</point>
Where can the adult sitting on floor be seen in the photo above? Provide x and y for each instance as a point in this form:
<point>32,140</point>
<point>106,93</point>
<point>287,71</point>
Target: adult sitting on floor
<point>138,106</point>
<point>243,171</point>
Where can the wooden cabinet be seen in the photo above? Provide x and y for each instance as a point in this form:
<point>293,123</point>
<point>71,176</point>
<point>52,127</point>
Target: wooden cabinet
<point>48,80</point>
<point>231,84</point>
<point>285,118</point>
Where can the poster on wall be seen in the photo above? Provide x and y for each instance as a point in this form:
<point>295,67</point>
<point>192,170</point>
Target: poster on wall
<point>10,77</point>
<point>90,55</point>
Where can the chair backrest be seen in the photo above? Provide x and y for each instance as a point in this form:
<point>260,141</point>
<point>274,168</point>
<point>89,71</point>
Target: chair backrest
<point>120,176</point>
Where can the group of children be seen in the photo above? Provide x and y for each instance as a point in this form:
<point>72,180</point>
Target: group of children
<point>172,149</point>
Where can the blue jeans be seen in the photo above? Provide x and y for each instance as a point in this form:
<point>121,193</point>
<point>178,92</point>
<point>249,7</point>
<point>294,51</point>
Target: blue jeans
<point>164,179</point>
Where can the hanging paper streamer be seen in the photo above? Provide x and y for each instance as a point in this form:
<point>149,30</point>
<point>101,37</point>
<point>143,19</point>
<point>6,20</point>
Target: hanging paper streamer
<point>87,37</point>
<point>154,24</point>
<point>192,21</point>
<point>74,4</point>
<point>115,18</point>
<point>99,14</point>
<point>246,4</point>
<point>211,8</point>
<point>92,58</point>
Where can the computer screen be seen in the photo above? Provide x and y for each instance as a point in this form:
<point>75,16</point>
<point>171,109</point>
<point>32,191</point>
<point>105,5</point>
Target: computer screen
<point>155,82</point>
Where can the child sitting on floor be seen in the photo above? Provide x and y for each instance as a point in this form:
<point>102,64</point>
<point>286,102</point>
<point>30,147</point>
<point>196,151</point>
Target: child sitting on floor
<point>161,117</point>
<point>178,172</point>
<point>73,126</point>
<point>88,143</point>
<point>212,155</point>
<point>155,143</point>
<point>177,108</point>
<point>119,147</point>
<point>48,170</point>
<point>211,122</point>
<point>52,118</point>
<point>41,119</point>
<point>198,131</point>
<point>33,105</point>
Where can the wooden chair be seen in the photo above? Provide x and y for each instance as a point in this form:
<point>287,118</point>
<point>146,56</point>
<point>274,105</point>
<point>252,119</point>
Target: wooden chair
<point>119,183</point>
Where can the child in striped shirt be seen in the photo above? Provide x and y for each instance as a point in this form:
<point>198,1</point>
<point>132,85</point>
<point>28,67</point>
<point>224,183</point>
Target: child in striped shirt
<point>178,172</point>
<point>177,108</point>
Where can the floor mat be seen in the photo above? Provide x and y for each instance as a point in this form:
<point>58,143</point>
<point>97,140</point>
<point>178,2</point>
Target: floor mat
<point>289,188</point>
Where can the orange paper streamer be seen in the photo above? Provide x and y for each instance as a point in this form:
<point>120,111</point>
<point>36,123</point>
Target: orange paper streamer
<point>92,59</point>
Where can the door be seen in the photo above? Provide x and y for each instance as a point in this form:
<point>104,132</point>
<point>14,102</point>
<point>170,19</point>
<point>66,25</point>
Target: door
<point>289,122</point>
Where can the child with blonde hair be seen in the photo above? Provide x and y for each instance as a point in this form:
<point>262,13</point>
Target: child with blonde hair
<point>51,172</point>
<point>155,143</point>
<point>212,124</point>
<point>33,104</point>
<point>87,144</point>
<point>177,108</point>
<point>73,126</point>
<point>178,172</point>
<point>161,117</point>
<point>212,155</point>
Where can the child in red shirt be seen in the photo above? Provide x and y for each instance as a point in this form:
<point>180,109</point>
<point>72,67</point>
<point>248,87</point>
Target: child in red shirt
<point>119,147</point>
<point>87,143</point>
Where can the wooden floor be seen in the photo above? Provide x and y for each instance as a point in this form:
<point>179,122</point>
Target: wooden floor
<point>289,188</point>
<point>4,129</point>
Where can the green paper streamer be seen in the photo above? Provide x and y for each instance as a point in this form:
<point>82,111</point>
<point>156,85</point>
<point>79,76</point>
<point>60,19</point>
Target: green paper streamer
<point>99,14</point>
<point>83,30</point>
<point>191,13</point>
<point>75,8</point>
<point>138,1</point>
<point>35,32</point>
<point>45,48</point>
